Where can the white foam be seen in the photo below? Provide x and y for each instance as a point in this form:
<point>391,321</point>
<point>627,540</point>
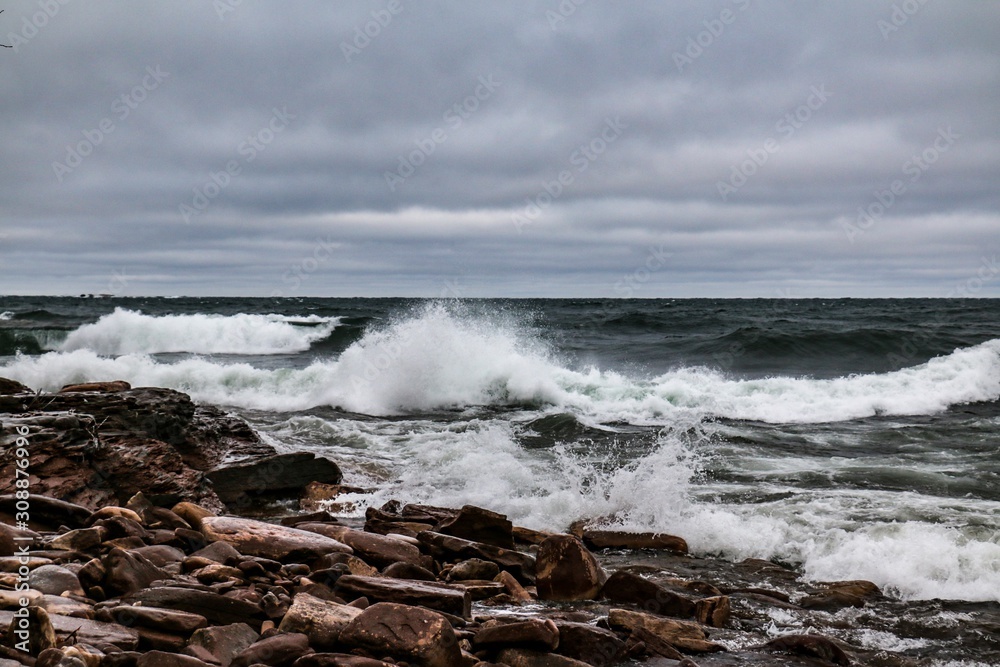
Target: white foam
<point>7,315</point>
<point>132,332</point>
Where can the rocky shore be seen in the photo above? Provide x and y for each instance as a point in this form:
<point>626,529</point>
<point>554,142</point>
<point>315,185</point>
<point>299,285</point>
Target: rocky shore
<point>144,530</point>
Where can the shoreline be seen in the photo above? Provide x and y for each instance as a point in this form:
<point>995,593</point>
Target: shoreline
<point>135,494</point>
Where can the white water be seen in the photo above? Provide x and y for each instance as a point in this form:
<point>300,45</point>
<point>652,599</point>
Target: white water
<point>131,332</point>
<point>6,315</point>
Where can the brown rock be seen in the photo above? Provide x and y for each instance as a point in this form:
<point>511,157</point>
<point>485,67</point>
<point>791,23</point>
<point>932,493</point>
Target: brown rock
<point>442,597</point>
<point>529,536</point>
<point>238,484</point>
<point>65,606</point>
<point>256,538</point>
<point>166,659</point>
<point>407,571</point>
<point>338,660</point>
<point>128,572</point>
<point>565,570</point>
<point>112,510</point>
<point>219,552</point>
<point>588,643</point>
<point>520,657</point>
<point>615,539</point>
<point>473,568</point>
<point>521,565</point>
<point>86,632</point>
<point>513,588</point>
<point>681,634</point>
<point>533,633</point>
<point>410,633</point>
<point>160,554</point>
<point>624,586</point>
<point>816,646</point>
<point>192,513</point>
<point>277,651</point>
<point>100,387</point>
<point>378,550</point>
<point>479,525</point>
<point>481,589</point>
<point>80,539</point>
<point>321,620</point>
<point>831,600</point>
<point>40,633</point>
<point>714,611</point>
<point>151,639</point>
<point>216,608</point>
<point>167,620</point>
<point>54,580</point>
<point>222,642</point>
<point>8,387</point>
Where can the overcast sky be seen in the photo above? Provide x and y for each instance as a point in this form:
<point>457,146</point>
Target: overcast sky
<point>644,149</point>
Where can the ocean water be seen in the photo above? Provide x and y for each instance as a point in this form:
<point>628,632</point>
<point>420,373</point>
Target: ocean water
<point>856,439</point>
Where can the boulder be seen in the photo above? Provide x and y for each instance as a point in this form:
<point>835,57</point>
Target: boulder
<point>192,513</point>
<point>521,565</point>
<point>278,650</point>
<point>588,643</point>
<point>257,538</point>
<point>442,597</point>
<point>321,620</point>
<point>237,484</point>
<point>112,510</point>
<point>473,568</point>
<point>479,525</point>
<point>222,642</point>
<point>616,539</point>
<point>378,550</point>
<point>814,646</point>
<point>513,587</point>
<point>37,629</point>
<point>54,580</point>
<point>405,632</point>
<point>683,635</point>
<point>713,611</point>
<point>127,572</point>
<point>566,570</point>
<point>627,587</point>
<point>533,633</point>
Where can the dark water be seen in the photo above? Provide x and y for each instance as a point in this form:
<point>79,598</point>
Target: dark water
<point>854,438</point>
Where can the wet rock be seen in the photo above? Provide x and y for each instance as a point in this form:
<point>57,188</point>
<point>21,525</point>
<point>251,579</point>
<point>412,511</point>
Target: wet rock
<point>816,646</point>
<point>167,659</point>
<point>681,634</point>
<point>353,564</point>
<point>54,580</point>
<point>240,483</point>
<point>479,525</point>
<point>378,550</point>
<point>151,639</point>
<point>624,586</point>
<point>119,526</point>
<point>113,511</point>
<point>277,651</point>
<point>442,597</point>
<point>474,568</point>
<point>86,632</point>
<point>831,600</point>
<point>615,539</point>
<point>192,513</point>
<point>160,554</point>
<point>513,587</point>
<point>566,570</point>
<point>128,572</point>
<point>713,611</point>
<point>406,632</point>
<point>595,646</point>
<point>167,620</point>
<point>213,606</point>
<point>222,642</point>
<point>533,633</point>
<point>321,620</point>
<point>521,565</point>
<point>56,657</point>
<point>219,552</point>
<point>8,387</point>
<point>256,538</point>
<point>65,606</point>
<point>519,657</point>
<point>99,387</point>
<point>338,660</point>
<point>45,509</point>
<point>480,589</point>
<point>407,571</point>
<point>36,629</point>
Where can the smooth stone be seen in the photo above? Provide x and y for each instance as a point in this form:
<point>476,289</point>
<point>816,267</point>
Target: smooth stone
<point>565,570</point>
<point>321,620</point>
<point>407,632</point>
<point>112,510</point>
<point>87,632</point>
<point>533,633</point>
<point>816,646</point>
<point>81,539</point>
<point>167,659</point>
<point>521,565</point>
<point>377,550</point>
<point>257,538</point>
<point>218,609</point>
<point>64,606</point>
<point>589,643</point>
<point>220,552</point>
<point>473,568</point>
<point>54,580</point>
<point>160,554</point>
<point>407,571</point>
<point>276,651</point>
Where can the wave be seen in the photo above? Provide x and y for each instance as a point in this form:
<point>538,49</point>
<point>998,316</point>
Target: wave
<point>439,358</point>
<point>6,315</point>
<point>132,332</point>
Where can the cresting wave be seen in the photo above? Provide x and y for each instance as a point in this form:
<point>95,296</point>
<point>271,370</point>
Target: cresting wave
<point>131,332</point>
<point>439,359</point>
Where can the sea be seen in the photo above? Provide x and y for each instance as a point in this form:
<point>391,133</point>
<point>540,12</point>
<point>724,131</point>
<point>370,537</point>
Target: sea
<point>851,438</point>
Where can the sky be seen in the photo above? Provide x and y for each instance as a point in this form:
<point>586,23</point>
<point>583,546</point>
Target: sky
<point>543,148</point>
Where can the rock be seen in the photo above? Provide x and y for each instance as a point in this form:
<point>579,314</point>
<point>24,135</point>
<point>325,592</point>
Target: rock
<point>128,572</point>
<point>615,539</point>
<point>219,552</point>
<point>624,586</point>
<point>533,633</point>
<point>816,646</point>
<point>521,565</point>
<point>54,580</point>
<point>217,573</point>
<point>529,536</point>
<point>402,631</point>
<point>378,550</point>
<point>192,513</point>
<point>223,642</point>
<point>86,632</point>
<point>407,571</point>
<point>587,643</point>
<point>237,484</point>
<point>473,568</point>
<point>277,651</point>
<point>565,570</point>
<point>8,387</point>
<point>479,525</point>
<point>100,387</point>
<point>36,629</point>
<point>513,588</point>
<point>520,657</point>
<point>256,538</point>
<point>166,659</point>
<point>65,606</point>
<point>160,554</point>
<point>151,639</point>
<point>321,620</point>
<point>112,510</point>
<point>442,597</point>
<point>45,509</point>
<point>218,609</point>
<point>167,620</point>
<point>354,565</point>
<point>680,634</point>
<point>338,660</point>
<point>82,539</point>
<point>836,595</point>
<point>714,611</point>
<point>480,589</point>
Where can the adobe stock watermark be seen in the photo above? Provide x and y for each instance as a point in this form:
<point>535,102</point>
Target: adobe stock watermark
<point>366,32</point>
<point>223,7</point>
<point>299,272</point>
<point>248,150</point>
<point>565,9</point>
<point>885,199</point>
<point>901,14</point>
<point>31,28</point>
<point>581,158</point>
<point>786,127</point>
<point>121,108</point>
<point>703,40</point>
<point>454,117</point>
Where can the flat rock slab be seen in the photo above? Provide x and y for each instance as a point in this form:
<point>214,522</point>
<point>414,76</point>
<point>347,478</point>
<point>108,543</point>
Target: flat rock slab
<point>616,539</point>
<point>168,620</point>
<point>267,540</point>
<point>402,631</point>
<point>379,550</point>
<point>282,472</point>
<point>87,632</point>
<point>214,607</point>
<point>683,635</point>
<point>442,597</point>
